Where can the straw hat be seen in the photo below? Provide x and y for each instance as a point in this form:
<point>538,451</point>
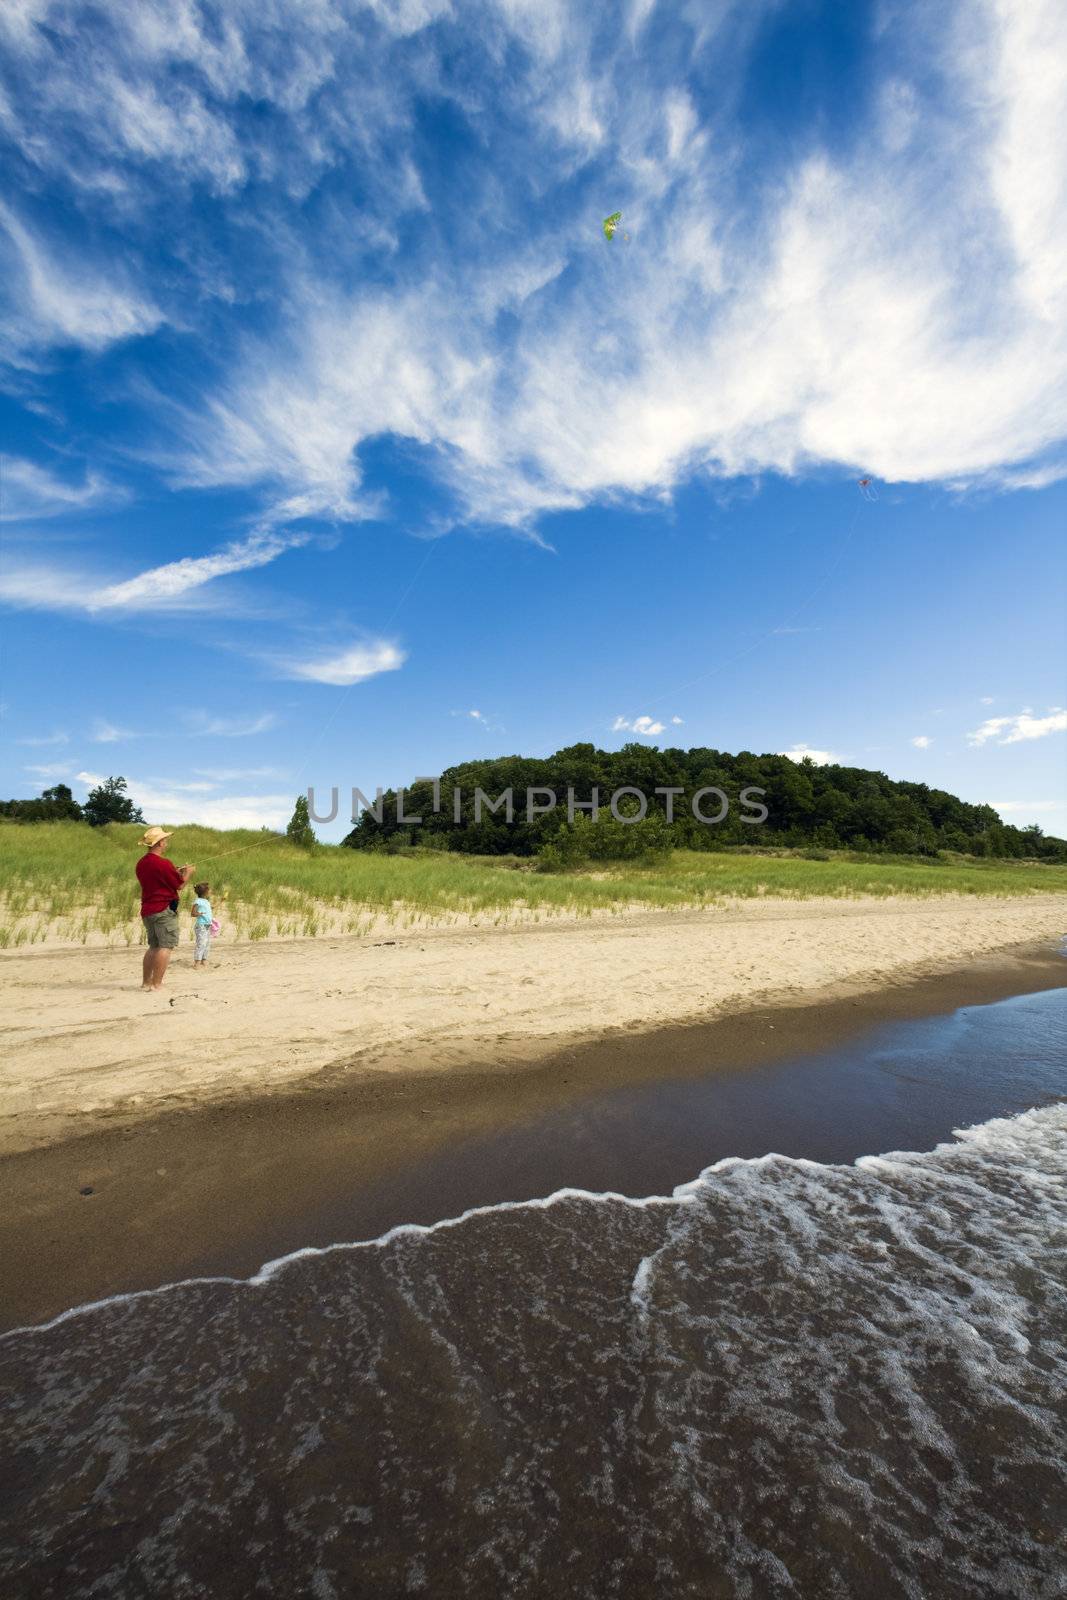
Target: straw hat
<point>154,836</point>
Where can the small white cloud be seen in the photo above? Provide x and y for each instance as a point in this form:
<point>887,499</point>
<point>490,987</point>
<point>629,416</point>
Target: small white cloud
<point>804,752</point>
<point>647,727</point>
<point>482,718</point>
<point>986,700</point>
<point>922,741</point>
<point>677,721</point>
<point>39,741</point>
<point>1013,730</point>
<point>201,724</point>
<point>353,665</point>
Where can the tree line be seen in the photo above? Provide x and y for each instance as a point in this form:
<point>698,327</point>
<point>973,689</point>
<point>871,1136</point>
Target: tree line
<point>829,807</point>
<point>108,802</point>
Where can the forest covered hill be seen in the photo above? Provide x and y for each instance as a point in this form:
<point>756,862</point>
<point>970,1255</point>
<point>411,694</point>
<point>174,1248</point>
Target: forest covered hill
<point>829,807</point>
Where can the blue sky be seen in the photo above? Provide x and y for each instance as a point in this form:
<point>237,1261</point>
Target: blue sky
<point>340,445</point>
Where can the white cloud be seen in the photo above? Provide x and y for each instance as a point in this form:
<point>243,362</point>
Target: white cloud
<point>1014,730</point>
<point>52,769</point>
<point>176,585</point>
<point>40,740</point>
<point>162,585</point>
<point>107,733</point>
<point>847,325</point>
<point>647,727</point>
<point>43,588</point>
<point>31,491</point>
<point>201,724</point>
<point>922,741</point>
<point>898,301</point>
<point>804,752</point>
<point>986,700</point>
<point>175,804</point>
<point>677,721</point>
<point>69,305</point>
<point>238,774</point>
<point>483,720</point>
<point>350,666</point>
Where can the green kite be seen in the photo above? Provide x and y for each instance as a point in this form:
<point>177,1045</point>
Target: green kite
<point>611,224</point>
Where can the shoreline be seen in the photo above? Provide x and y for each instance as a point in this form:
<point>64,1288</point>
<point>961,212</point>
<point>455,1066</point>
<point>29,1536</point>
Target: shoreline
<point>221,1189</point>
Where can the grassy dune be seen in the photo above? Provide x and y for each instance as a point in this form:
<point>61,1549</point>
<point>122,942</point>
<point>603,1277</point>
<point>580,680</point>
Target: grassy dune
<point>68,883</point>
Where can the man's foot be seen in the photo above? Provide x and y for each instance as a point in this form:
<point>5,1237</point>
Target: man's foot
<point>146,988</point>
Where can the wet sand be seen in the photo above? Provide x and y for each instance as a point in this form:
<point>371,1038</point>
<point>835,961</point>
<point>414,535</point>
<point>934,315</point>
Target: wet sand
<point>220,1189</point>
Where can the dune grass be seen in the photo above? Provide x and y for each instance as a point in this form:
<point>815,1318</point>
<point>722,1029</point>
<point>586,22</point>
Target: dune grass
<point>71,884</point>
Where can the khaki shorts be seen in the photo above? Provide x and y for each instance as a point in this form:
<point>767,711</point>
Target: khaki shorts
<point>162,930</point>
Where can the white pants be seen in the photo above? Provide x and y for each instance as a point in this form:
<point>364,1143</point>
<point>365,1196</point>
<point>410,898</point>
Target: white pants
<point>203,942</point>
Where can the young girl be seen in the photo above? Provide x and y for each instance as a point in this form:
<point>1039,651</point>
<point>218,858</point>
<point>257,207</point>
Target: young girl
<point>202,918</point>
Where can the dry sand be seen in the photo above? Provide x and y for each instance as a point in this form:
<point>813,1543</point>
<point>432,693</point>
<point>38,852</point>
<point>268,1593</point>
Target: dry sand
<point>83,1048</point>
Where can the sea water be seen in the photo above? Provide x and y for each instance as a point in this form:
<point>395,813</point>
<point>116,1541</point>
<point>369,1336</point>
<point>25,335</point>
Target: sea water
<point>789,1377</point>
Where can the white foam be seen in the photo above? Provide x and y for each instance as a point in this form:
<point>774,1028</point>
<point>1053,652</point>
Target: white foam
<point>1026,1134</point>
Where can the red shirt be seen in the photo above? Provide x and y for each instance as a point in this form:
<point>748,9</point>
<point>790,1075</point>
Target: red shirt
<point>160,883</point>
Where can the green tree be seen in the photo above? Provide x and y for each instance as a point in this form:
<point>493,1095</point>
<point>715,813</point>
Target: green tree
<point>61,804</point>
<point>109,802</point>
<point>300,830</point>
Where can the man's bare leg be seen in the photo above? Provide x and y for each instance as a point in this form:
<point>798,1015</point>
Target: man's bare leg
<point>160,967</point>
<point>146,968</point>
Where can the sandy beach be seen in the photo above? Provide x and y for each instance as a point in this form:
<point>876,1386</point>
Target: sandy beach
<point>84,1049</point>
<point>216,1124</point>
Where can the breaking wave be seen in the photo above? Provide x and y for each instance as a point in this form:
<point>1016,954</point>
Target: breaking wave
<point>785,1379</point>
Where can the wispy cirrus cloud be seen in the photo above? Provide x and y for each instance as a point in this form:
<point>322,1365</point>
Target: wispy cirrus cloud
<point>51,305</point>
<point>29,491</point>
<point>49,769</point>
<point>342,668</point>
<point>238,774</point>
<point>748,358</point>
<point>1018,729</point>
<point>206,724</point>
<point>166,584</point>
<point>104,732</point>
<point>175,585</point>
<point>826,313</point>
